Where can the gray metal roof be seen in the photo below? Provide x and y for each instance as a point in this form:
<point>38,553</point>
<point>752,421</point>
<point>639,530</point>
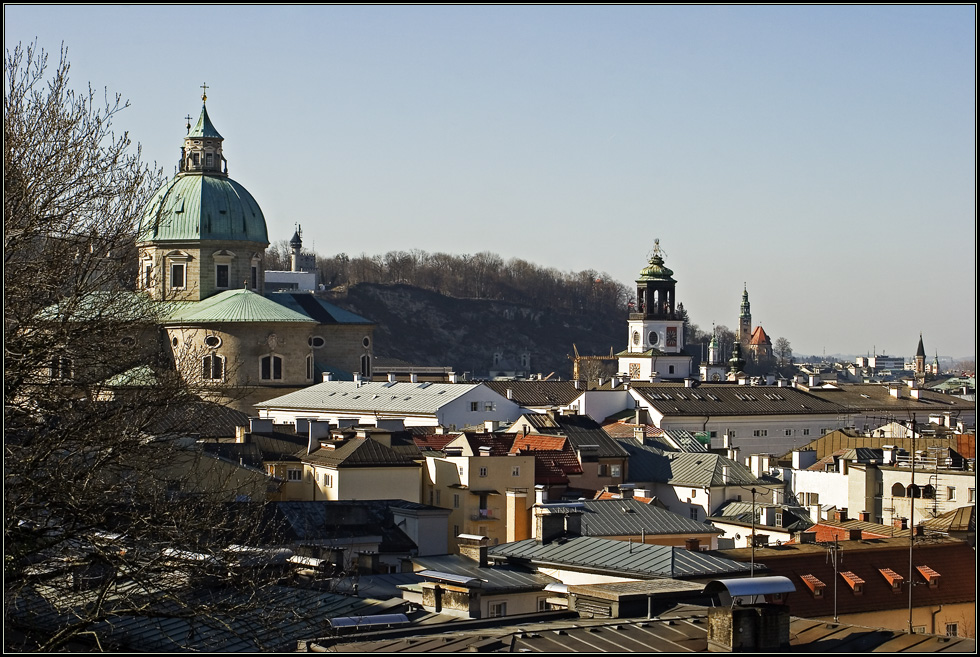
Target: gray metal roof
<point>633,518</point>
<point>584,434</point>
<point>537,393</point>
<point>492,579</point>
<point>620,557</point>
<point>654,464</point>
<point>349,396</point>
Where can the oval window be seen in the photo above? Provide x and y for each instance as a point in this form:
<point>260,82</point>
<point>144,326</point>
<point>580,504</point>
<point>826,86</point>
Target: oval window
<point>175,342</point>
<point>636,337</point>
<point>653,337</point>
<point>212,341</point>
<point>366,342</point>
<point>316,341</point>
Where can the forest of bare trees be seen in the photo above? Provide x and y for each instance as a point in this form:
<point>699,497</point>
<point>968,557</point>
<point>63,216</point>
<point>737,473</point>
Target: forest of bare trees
<point>479,276</point>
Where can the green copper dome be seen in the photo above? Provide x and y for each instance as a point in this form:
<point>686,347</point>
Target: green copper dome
<point>655,269</point>
<point>202,207</point>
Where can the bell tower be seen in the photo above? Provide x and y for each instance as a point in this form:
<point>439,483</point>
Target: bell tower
<point>744,319</point>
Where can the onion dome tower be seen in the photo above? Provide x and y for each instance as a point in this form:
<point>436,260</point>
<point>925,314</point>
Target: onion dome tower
<point>202,232</point>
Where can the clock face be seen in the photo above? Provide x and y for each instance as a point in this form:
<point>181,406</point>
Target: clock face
<point>634,370</point>
<point>653,337</point>
<point>636,337</point>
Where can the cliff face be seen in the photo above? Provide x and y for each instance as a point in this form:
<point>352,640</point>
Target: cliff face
<point>427,328</point>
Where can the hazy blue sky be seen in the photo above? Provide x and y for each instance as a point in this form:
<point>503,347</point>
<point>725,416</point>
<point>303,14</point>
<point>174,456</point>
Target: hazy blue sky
<point>826,156</point>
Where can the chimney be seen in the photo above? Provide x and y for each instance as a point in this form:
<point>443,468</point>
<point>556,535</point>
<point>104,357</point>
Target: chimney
<point>692,544</point>
<point>474,548</point>
<point>391,377</point>
<point>688,382</point>
<point>453,377</point>
<point>510,393</point>
<point>895,391</point>
<point>914,393</point>
<point>260,424</point>
<point>413,377</point>
<point>242,435</point>
<point>549,524</point>
<point>540,494</point>
<point>808,537</point>
<point>888,454</point>
<point>327,376</point>
<point>770,379</point>
<point>840,515</point>
<point>814,380</point>
<point>576,383</point>
<point>900,523</point>
<point>639,433</point>
<point>816,513</point>
<point>357,379</point>
<point>864,516</point>
<point>491,425</point>
<point>615,381</point>
<point>743,381</point>
<point>804,458</point>
<point>319,429</point>
<point>626,491</point>
<point>601,381</point>
<point>725,473</point>
<point>749,628</point>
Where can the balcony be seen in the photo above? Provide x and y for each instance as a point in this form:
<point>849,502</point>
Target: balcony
<point>485,514</point>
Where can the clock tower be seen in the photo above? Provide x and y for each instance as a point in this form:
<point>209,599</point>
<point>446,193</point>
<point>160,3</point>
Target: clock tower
<point>655,344</point>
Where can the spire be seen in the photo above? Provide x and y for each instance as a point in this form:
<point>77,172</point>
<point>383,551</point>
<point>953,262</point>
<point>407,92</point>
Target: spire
<point>921,351</point>
<point>202,145</point>
<point>745,310</point>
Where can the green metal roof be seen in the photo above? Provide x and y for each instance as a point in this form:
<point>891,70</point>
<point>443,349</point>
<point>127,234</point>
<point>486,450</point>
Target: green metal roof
<point>204,127</point>
<point>195,206</point>
<point>234,306</point>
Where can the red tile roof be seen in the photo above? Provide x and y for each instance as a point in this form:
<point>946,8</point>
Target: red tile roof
<point>535,442</point>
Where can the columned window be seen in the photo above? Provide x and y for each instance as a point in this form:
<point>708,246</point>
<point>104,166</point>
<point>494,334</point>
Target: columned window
<point>270,368</point>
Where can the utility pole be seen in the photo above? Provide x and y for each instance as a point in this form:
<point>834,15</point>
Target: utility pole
<point>833,552</point>
<point>911,523</point>
<point>752,567</point>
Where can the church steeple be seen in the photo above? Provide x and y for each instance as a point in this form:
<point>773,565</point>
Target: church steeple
<point>655,288</point>
<point>744,319</point>
<point>202,146</point>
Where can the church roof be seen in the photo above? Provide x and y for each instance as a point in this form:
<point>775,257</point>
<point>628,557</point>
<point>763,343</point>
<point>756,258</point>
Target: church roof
<point>759,337</point>
<point>234,306</point>
<point>316,308</point>
<point>195,206</point>
<point>204,127</point>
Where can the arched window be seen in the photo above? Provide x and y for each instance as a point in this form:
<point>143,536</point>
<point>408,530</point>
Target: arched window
<point>928,492</point>
<point>913,491</point>
<point>898,490</point>
<point>270,368</point>
<point>213,367</point>
<point>309,367</point>
<point>366,365</point>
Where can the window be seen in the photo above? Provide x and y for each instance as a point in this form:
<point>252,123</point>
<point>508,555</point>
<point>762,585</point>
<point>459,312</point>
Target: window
<point>760,433</point>
<point>366,365</point>
<point>731,433</point>
<point>255,277</point>
<point>438,498</point>
<point>483,471</point>
<point>972,493</point>
<point>327,480</point>
<point>213,367</point>
<point>147,275</point>
<point>177,275</point>
<point>489,407</point>
<point>952,629</point>
<point>455,500</point>
<point>271,368</point>
<point>603,469</point>
<point>474,407</point>
<point>212,341</point>
<point>694,513</point>
<point>309,367</point>
<point>294,474</point>
<point>898,490</point>
<point>806,432</point>
<point>779,520</point>
<point>515,471</point>
<point>951,493</point>
<point>616,470</point>
<point>455,530</point>
<point>316,341</point>
<point>670,369</point>
<point>694,492</point>
<point>498,609</point>
<point>209,159</point>
<point>788,432</point>
<point>461,471</point>
<point>221,276</point>
<point>543,604</point>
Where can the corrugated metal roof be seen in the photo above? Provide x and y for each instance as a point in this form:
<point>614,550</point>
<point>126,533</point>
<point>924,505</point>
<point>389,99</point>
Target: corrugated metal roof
<point>349,396</point>
<point>537,393</point>
<point>234,306</point>
<point>611,556</point>
<point>720,399</point>
<point>653,464</point>
<point>494,579</point>
<point>195,206</point>
<point>316,308</point>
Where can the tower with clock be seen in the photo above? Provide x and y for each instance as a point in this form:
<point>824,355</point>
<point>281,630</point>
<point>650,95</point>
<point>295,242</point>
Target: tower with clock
<point>655,348</point>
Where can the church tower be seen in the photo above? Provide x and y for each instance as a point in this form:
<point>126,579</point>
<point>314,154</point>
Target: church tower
<point>920,358</point>
<point>744,319</point>
<point>713,369</point>
<point>655,342</point>
<point>202,233</point>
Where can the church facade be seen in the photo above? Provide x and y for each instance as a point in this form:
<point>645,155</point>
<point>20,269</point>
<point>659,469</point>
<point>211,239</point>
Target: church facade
<point>201,246</point>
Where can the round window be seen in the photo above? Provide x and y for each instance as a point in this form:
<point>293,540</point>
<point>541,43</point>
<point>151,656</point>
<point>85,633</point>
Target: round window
<point>366,342</point>
<point>653,337</point>
<point>212,341</point>
<point>175,342</point>
<point>316,341</point>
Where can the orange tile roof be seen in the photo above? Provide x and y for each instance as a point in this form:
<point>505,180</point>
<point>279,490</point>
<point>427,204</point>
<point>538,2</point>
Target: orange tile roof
<point>535,442</point>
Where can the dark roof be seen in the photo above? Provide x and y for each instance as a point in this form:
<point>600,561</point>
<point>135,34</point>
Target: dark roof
<point>634,518</point>
<point>585,434</point>
<point>609,556</point>
<point>493,579</point>
<point>722,399</point>
<point>537,393</point>
<point>874,398</point>
<point>315,308</point>
<point>654,464</point>
<point>682,629</point>
<point>362,453</point>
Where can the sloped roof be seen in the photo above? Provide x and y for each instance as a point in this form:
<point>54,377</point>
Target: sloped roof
<point>721,399</point>
<point>634,518</point>
<point>759,337</point>
<point>494,579</point>
<point>361,453</point>
<point>650,463</point>
<point>234,306</point>
<point>582,432</point>
<point>537,393</point>
<point>620,557</point>
<point>963,519</point>
<point>315,308</point>
<point>400,397</point>
<point>871,397</point>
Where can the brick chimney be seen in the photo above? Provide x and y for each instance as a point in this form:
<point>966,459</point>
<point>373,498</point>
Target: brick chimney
<point>900,523</point>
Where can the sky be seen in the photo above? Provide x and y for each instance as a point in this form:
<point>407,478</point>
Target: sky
<point>822,156</point>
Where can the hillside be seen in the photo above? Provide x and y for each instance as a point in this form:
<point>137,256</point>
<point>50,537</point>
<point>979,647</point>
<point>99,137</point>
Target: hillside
<point>427,328</point>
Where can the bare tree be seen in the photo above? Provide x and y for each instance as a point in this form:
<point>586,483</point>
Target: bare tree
<point>783,351</point>
<point>105,495</point>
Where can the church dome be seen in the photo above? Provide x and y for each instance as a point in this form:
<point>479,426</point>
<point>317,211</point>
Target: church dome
<point>193,207</point>
<point>201,203</point>
<point>655,269</point>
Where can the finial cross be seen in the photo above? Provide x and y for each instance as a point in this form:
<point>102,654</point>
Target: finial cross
<point>204,96</point>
